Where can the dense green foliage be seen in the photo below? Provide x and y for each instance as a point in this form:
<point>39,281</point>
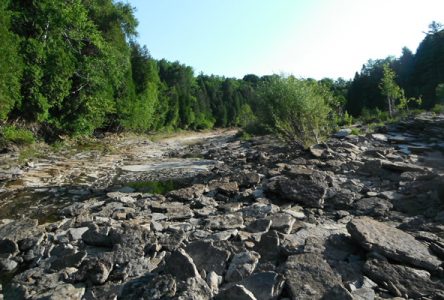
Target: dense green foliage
<point>73,67</point>
<point>298,110</point>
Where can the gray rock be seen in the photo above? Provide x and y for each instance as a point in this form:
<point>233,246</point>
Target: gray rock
<point>95,271</point>
<point>235,292</point>
<point>227,188</point>
<point>242,265</point>
<point>392,243</point>
<point>265,285</point>
<point>258,210</point>
<point>373,206</point>
<point>180,265</point>
<point>306,192</point>
<point>268,247</point>
<point>308,276</point>
<point>64,291</point>
<point>247,179</point>
<point>7,265</point>
<point>207,257</point>
<point>259,225</point>
<point>20,229</point>
<point>194,288</point>
<point>403,281</point>
<point>76,233</point>
<point>172,241</point>
<point>161,287</point>
<point>188,193</point>
<point>221,222</point>
<point>65,261</point>
<point>97,236</point>
<point>282,222</point>
<point>343,132</point>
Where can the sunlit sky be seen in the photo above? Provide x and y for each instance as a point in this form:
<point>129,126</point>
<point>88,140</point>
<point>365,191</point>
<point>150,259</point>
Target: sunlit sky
<point>306,38</point>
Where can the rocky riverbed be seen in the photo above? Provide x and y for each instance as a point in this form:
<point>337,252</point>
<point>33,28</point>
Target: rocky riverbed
<point>213,217</point>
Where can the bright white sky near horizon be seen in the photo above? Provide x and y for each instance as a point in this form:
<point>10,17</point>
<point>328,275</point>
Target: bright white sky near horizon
<point>306,38</point>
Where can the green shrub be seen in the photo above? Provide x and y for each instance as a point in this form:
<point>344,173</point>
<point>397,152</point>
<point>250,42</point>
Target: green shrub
<point>374,115</point>
<point>438,108</point>
<point>17,136</point>
<point>297,110</point>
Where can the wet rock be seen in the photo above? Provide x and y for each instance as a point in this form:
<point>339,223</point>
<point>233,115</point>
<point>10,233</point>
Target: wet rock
<point>221,222</point>
<point>392,243</point>
<point>308,276</point>
<point>207,257</point>
<point>306,192</point>
<point>403,281</point>
<point>235,292</point>
<point>241,266</point>
<point>180,265</point>
<point>265,285</point>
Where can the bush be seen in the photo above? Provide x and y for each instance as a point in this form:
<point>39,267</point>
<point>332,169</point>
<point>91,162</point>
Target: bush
<point>374,115</point>
<point>438,108</point>
<point>17,136</point>
<point>297,110</point>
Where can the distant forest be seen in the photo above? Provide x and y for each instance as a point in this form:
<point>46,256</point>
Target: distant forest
<point>73,67</point>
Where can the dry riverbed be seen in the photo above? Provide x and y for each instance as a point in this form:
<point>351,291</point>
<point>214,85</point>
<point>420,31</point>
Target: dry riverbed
<point>208,216</point>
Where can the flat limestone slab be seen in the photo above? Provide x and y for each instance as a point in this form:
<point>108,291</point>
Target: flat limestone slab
<point>392,243</point>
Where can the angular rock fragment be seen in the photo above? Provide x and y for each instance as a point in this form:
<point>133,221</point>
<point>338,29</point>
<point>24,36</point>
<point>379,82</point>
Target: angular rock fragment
<point>308,276</point>
<point>241,266</point>
<point>221,222</point>
<point>180,265</point>
<point>306,192</point>
<point>392,243</point>
<point>403,281</point>
<point>282,222</point>
<point>236,292</point>
<point>265,285</point>
<point>207,257</point>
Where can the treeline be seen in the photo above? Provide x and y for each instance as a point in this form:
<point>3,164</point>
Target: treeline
<point>74,66</point>
<point>420,75</point>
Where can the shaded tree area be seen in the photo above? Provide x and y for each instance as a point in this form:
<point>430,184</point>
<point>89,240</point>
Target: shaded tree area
<point>74,66</point>
<point>419,75</point>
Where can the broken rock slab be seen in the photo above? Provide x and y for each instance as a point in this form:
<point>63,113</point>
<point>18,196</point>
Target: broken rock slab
<point>309,276</point>
<point>404,281</point>
<point>392,243</point>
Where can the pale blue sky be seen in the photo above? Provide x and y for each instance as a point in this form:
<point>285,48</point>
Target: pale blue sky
<point>306,38</point>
